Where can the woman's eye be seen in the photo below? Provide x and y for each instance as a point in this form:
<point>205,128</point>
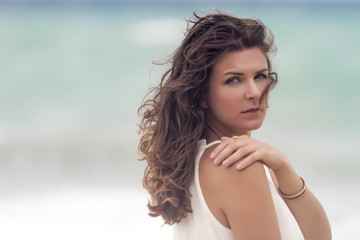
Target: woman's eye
<point>261,76</point>
<point>233,80</point>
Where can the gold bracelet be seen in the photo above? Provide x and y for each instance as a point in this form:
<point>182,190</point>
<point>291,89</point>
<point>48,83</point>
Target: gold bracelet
<point>296,195</point>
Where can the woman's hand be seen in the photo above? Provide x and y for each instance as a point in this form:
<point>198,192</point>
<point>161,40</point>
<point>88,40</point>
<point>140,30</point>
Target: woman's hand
<point>245,150</point>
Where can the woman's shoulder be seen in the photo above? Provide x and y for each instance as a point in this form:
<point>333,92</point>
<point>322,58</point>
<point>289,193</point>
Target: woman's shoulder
<point>214,173</point>
<point>228,184</point>
<point>243,196</point>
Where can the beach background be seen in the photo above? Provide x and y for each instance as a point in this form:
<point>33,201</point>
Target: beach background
<point>72,76</point>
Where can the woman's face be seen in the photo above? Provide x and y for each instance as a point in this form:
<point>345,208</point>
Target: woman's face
<point>232,103</point>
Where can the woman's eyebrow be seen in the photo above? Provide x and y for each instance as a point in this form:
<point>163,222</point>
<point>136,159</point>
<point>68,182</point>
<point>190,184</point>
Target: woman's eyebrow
<point>233,73</point>
<point>240,73</point>
<point>263,70</point>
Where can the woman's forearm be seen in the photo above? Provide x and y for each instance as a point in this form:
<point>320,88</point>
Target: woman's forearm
<point>306,209</point>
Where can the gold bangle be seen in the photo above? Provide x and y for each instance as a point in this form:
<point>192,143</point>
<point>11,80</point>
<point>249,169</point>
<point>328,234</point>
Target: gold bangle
<point>296,195</point>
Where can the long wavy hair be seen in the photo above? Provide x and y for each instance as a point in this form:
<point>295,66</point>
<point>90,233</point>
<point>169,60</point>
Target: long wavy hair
<point>173,122</point>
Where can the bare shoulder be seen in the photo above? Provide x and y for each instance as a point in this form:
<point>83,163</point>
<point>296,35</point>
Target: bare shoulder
<point>228,177</point>
<point>240,200</point>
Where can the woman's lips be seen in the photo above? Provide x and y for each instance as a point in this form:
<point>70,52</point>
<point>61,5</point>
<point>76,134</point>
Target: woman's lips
<point>252,111</point>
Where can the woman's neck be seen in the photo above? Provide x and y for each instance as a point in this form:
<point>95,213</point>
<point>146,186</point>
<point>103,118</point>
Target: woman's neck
<point>213,133</point>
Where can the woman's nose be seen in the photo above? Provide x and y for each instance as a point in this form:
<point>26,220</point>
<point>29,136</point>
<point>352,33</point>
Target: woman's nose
<point>252,91</point>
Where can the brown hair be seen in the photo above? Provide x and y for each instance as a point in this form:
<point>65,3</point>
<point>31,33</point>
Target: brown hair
<point>173,122</point>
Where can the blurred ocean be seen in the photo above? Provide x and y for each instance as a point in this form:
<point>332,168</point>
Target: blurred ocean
<point>72,77</point>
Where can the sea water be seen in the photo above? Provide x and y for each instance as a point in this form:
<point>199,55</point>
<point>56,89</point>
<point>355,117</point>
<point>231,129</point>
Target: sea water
<point>72,77</point>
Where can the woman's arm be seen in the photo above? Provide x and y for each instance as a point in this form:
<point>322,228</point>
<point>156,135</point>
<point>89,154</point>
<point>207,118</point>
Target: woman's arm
<point>306,209</point>
<point>241,201</point>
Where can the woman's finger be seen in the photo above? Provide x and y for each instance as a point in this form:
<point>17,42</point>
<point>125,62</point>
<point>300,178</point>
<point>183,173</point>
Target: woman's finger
<point>255,156</point>
<point>238,155</point>
<point>230,148</point>
<point>219,148</point>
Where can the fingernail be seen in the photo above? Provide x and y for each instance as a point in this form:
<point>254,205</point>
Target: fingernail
<point>212,155</point>
<point>239,166</point>
<point>216,161</point>
<point>226,162</point>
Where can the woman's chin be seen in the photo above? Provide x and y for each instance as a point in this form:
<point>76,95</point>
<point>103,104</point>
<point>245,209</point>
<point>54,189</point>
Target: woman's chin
<point>252,127</point>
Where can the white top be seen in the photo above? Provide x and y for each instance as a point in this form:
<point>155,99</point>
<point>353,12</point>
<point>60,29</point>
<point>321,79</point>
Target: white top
<point>202,224</point>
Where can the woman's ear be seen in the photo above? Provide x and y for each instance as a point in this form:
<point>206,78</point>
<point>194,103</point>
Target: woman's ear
<point>203,103</point>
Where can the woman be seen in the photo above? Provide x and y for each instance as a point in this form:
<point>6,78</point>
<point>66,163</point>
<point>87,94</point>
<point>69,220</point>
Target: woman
<point>206,174</point>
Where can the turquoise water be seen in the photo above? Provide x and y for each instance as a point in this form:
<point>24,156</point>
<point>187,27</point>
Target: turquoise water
<point>65,55</point>
<point>72,77</point>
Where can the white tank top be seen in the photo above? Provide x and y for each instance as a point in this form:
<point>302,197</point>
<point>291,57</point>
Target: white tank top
<point>202,224</point>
